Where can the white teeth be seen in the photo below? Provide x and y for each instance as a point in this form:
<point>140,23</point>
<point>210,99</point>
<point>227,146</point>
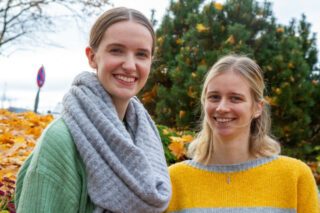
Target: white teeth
<point>223,120</point>
<point>125,78</point>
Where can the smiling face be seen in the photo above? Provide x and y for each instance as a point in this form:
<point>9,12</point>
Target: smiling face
<point>228,106</point>
<point>123,60</point>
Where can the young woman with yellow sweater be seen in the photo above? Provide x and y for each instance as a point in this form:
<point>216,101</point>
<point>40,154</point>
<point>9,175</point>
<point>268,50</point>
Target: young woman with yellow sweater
<point>236,166</point>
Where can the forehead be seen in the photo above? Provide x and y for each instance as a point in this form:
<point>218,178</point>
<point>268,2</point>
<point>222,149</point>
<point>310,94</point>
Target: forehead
<point>128,32</point>
<point>229,82</point>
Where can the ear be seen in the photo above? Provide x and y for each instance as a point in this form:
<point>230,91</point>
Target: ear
<point>91,57</point>
<point>259,109</point>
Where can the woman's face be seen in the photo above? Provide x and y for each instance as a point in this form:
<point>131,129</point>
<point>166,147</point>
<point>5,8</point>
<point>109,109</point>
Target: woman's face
<point>123,60</point>
<point>229,106</point>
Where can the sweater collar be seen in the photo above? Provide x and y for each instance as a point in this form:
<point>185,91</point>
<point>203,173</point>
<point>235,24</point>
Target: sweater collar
<point>232,167</point>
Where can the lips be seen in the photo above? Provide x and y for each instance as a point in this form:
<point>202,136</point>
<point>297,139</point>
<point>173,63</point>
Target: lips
<point>222,120</point>
<point>126,79</point>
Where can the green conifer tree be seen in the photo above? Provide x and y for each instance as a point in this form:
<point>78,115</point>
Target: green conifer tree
<point>194,34</point>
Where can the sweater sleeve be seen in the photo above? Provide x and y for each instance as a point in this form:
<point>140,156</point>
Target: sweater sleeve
<point>49,181</point>
<point>42,194</point>
<point>308,200</point>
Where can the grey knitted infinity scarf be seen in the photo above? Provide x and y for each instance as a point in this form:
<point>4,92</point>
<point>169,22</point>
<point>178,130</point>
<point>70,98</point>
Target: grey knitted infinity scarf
<point>126,173</point>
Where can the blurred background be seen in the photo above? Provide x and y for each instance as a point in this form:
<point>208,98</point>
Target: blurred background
<point>282,36</point>
<point>58,44</point>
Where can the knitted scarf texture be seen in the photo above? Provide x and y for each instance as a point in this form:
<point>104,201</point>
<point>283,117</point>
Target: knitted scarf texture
<point>126,172</point>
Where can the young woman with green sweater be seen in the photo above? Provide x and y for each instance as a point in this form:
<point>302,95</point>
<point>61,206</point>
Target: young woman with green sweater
<point>104,153</point>
<point>236,166</point>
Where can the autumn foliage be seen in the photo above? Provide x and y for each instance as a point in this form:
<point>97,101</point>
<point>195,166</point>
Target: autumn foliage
<point>18,136</point>
<point>193,35</point>
<point>20,131</point>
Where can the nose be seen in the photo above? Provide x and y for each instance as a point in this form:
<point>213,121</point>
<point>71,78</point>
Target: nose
<point>222,106</point>
<point>129,63</point>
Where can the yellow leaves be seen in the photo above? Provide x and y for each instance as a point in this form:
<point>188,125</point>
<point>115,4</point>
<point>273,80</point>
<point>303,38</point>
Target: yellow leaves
<point>186,138</point>
<point>182,113</point>
<point>160,40</point>
<point>231,40</point>
<point>178,145</point>
<point>290,65</point>
<point>278,91</point>
<point>179,41</point>
<point>280,30</point>
<point>165,131</point>
<point>201,28</point>
<point>18,135</point>
<point>176,142</point>
<point>149,96</point>
<point>191,93</point>
<point>315,168</point>
<point>177,149</point>
<point>218,6</point>
<point>271,100</point>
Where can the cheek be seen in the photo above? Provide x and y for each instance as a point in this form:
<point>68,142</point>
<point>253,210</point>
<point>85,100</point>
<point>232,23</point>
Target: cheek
<point>144,69</point>
<point>107,62</point>
<point>209,109</point>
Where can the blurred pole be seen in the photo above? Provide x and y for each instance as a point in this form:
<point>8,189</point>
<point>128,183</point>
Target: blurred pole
<point>36,102</point>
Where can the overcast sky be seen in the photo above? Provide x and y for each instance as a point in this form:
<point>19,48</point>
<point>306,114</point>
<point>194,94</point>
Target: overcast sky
<point>18,70</point>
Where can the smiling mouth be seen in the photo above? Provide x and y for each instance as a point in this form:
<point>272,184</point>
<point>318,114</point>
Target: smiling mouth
<point>125,78</point>
<point>223,120</point>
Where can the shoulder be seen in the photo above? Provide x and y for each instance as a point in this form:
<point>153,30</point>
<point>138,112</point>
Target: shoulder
<point>292,163</point>
<point>56,137</point>
<point>183,171</point>
<point>178,167</point>
<point>294,167</point>
<point>57,130</point>
<point>55,150</point>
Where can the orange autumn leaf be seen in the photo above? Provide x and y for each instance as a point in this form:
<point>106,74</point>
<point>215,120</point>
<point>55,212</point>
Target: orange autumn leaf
<point>177,149</point>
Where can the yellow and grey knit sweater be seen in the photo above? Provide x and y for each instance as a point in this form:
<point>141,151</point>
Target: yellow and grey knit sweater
<point>275,184</point>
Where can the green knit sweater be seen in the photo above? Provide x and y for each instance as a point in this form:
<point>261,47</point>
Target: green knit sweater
<point>53,178</point>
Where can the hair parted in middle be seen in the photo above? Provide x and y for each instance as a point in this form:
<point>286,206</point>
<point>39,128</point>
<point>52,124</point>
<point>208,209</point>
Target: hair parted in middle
<point>260,142</point>
<point>116,15</point>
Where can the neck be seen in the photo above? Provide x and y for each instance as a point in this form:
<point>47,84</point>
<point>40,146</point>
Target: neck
<point>121,107</point>
<point>232,151</point>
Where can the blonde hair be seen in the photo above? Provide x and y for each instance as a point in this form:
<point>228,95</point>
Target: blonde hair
<point>260,142</point>
<point>116,15</point>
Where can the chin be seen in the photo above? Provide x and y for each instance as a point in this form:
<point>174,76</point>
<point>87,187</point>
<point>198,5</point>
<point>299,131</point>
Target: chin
<point>224,132</point>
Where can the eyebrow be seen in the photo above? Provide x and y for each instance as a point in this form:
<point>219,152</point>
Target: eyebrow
<point>232,93</point>
<point>123,46</point>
